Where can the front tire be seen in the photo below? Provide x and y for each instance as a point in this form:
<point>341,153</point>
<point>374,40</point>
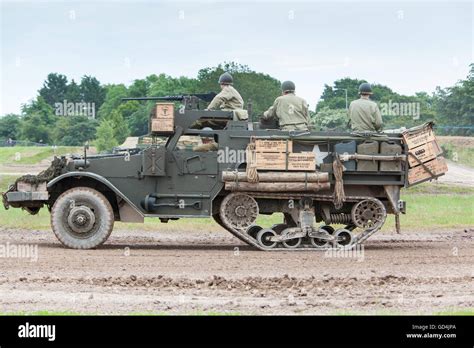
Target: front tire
<point>82,218</point>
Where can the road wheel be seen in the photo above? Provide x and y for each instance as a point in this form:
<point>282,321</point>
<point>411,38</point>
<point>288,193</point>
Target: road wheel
<point>343,238</point>
<point>253,230</point>
<point>322,243</point>
<point>292,243</point>
<point>263,237</point>
<point>82,218</point>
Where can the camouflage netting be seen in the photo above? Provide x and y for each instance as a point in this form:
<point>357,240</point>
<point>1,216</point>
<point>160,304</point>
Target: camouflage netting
<point>46,175</point>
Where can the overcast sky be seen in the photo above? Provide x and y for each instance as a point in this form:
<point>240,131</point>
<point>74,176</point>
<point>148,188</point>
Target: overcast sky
<point>409,47</point>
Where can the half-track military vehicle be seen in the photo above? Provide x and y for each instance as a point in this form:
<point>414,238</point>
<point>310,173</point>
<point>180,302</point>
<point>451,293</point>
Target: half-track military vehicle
<point>333,189</point>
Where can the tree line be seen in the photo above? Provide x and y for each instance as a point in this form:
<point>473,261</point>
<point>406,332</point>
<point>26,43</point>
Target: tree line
<point>71,113</point>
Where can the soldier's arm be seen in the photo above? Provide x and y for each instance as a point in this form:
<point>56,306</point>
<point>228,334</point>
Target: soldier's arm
<point>216,103</point>
<point>378,119</point>
<point>206,147</point>
<point>271,112</point>
<point>349,112</point>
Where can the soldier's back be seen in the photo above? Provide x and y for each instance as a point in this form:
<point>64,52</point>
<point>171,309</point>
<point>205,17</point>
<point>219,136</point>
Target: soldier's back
<point>362,113</point>
<point>232,99</point>
<point>291,109</point>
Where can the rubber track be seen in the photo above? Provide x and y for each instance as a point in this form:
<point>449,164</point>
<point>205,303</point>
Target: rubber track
<point>359,239</point>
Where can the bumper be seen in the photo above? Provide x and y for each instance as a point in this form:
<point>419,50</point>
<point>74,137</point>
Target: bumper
<point>15,197</point>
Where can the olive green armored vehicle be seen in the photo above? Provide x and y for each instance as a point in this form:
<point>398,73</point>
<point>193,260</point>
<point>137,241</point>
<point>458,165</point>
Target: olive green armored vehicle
<point>333,190</point>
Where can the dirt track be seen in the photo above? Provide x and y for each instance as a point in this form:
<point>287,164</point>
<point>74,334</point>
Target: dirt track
<point>458,175</point>
<point>198,271</point>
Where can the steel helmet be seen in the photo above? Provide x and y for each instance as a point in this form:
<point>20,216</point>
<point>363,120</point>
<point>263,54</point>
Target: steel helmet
<point>288,86</point>
<point>365,88</point>
<point>226,79</point>
<point>206,132</point>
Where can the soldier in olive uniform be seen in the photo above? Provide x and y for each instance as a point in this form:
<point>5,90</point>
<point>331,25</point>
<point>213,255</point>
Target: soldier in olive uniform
<point>229,99</point>
<point>290,110</point>
<point>364,114</point>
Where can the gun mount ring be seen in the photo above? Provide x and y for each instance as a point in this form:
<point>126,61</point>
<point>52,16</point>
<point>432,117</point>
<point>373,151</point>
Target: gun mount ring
<point>369,214</point>
<point>239,211</point>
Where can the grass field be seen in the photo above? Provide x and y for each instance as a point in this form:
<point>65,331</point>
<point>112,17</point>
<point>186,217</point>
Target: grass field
<point>32,155</point>
<point>458,149</point>
<point>428,206</point>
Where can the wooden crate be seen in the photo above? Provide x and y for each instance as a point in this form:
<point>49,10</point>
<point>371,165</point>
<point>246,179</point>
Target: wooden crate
<point>424,153</point>
<point>438,166</point>
<point>162,125</point>
<point>271,160</point>
<point>420,138</point>
<point>303,161</point>
<point>266,145</point>
<point>164,110</point>
<point>163,119</point>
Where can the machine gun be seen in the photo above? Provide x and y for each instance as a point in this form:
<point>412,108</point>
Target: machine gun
<point>190,101</point>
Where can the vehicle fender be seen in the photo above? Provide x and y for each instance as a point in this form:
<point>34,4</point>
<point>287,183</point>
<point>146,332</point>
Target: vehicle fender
<point>128,211</point>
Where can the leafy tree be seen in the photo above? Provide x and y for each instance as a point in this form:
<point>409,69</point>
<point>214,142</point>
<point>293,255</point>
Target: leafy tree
<point>9,126</point>
<point>128,108</point>
<point>138,121</point>
<point>105,140</point>
<point>139,88</point>
<point>75,130</point>
<point>166,85</point>
<point>54,89</point>
<point>135,115</point>
<point>334,97</point>
<point>120,127</point>
<point>330,119</point>
<point>92,92</point>
<point>455,106</point>
<point>38,121</point>
<point>113,99</point>
<point>41,108</point>
<point>33,129</point>
<point>73,93</point>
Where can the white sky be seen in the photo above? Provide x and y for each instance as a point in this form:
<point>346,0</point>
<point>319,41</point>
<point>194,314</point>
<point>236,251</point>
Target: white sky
<point>407,46</point>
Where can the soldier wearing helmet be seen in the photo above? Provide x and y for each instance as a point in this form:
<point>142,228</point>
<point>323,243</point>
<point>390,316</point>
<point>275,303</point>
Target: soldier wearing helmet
<point>290,110</point>
<point>208,142</point>
<point>229,98</point>
<point>364,114</point>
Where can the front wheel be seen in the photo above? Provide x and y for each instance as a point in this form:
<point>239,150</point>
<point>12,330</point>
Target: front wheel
<point>82,218</point>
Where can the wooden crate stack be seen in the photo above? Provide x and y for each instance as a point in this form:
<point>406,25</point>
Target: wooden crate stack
<point>279,155</point>
<point>425,148</point>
